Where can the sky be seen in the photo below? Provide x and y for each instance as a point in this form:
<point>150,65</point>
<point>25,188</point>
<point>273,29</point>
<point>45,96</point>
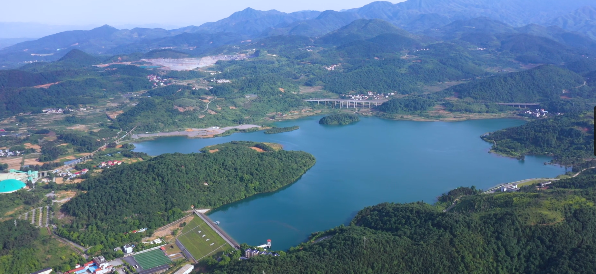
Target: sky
<point>151,13</point>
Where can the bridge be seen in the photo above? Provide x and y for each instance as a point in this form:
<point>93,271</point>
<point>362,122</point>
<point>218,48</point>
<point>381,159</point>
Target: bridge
<point>520,105</point>
<point>348,102</point>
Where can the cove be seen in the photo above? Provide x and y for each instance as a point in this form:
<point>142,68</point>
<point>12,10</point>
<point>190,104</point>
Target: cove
<point>359,165</point>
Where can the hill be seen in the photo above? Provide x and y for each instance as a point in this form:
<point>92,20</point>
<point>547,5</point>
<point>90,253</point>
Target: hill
<point>78,58</point>
<point>362,29</point>
<point>542,83</point>
<point>250,22</point>
<point>529,231</point>
<point>582,20</point>
<point>155,192</point>
<point>569,138</point>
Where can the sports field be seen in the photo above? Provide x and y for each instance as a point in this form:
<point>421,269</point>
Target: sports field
<point>199,239</point>
<point>152,259</point>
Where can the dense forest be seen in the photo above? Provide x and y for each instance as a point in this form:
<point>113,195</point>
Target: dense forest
<point>407,105</point>
<point>339,119</point>
<point>531,231</point>
<point>569,138</point>
<point>543,83</point>
<point>155,192</point>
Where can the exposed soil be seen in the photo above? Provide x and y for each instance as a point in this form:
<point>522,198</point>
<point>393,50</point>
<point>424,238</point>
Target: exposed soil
<point>257,149</point>
<point>213,150</point>
<point>13,163</point>
<point>166,233</point>
<point>46,85</point>
<point>13,211</point>
<point>305,89</point>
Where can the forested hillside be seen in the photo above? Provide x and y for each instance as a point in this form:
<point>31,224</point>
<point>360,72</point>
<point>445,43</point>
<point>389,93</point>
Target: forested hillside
<point>155,192</point>
<point>542,83</point>
<point>531,231</point>
<point>569,138</point>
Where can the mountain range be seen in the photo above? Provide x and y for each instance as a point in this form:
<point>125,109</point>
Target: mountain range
<point>567,22</point>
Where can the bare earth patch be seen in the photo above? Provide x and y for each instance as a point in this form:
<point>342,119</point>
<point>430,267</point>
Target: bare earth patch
<point>166,233</point>
<point>13,163</point>
<point>257,149</point>
<point>79,127</point>
<point>30,145</point>
<point>32,162</point>
<point>13,211</point>
<point>305,89</point>
<point>46,85</point>
<point>213,150</point>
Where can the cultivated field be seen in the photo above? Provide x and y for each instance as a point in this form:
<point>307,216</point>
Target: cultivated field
<point>194,237</point>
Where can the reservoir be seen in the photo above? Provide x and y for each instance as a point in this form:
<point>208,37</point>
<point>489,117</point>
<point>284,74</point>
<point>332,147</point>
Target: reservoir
<point>359,165</point>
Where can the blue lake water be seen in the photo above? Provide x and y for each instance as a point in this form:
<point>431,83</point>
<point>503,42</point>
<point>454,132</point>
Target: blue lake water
<point>359,165</point>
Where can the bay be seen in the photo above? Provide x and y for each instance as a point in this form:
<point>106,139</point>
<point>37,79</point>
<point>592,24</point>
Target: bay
<point>359,165</point>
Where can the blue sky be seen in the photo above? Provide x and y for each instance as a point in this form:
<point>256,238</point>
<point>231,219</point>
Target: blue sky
<point>172,13</point>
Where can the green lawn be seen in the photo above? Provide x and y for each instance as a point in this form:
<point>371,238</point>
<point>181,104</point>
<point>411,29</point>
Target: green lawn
<point>194,241</point>
<point>152,259</point>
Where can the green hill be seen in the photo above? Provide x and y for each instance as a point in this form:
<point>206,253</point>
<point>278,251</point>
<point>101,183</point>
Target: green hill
<point>78,57</point>
<point>542,83</point>
<point>529,231</point>
<point>155,192</point>
<point>569,138</point>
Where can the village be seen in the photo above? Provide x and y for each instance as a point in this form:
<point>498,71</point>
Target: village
<point>8,153</point>
<point>369,96</point>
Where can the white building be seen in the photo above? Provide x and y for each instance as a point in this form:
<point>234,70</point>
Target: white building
<point>185,269</point>
<point>127,249</point>
<point>44,271</point>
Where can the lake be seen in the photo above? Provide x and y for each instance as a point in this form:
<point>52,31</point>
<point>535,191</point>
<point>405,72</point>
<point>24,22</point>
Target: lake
<point>359,165</point>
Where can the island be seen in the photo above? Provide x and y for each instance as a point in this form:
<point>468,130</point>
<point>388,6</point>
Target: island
<point>339,119</point>
<point>276,130</point>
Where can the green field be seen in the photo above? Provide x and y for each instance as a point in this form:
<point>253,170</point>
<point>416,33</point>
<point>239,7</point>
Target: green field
<point>152,259</point>
<point>194,241</point>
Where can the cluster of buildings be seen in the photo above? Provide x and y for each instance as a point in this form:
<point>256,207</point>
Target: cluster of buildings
<point>509,188</point>
<point>53,110</point>
<point>99,265</point>
<point>221,81</point>
<point>332,67</point>
<point>8,153</point>
<point>249,253</point>
<point>68,174</point>
<point>537,113</point>
<point>369,96</point>
<point>109,164</point>
<point>156,80</point>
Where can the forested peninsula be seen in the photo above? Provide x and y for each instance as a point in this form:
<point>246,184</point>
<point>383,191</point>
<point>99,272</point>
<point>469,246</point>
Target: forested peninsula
<point>154,192</point>
<point>276,130</point>
<point>530,231</point>
<point>568,138</point>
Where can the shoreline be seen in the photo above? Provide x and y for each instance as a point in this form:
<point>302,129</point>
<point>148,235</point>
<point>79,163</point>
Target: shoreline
<point>213,132</point>
<point>194,132</point>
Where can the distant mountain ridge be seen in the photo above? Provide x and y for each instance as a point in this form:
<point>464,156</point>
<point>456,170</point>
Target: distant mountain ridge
<point>438,18</point>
